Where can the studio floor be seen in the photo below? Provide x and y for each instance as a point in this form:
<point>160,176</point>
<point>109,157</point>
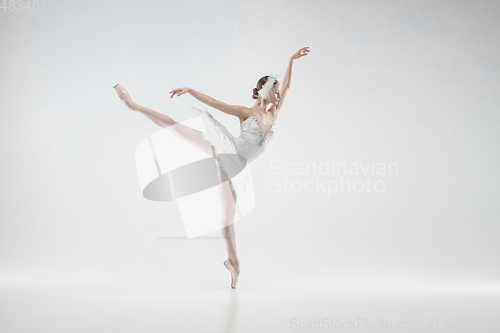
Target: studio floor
<point>308,306</point>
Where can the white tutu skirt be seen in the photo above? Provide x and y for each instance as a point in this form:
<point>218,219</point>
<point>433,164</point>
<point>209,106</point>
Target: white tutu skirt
<point>171,168</point>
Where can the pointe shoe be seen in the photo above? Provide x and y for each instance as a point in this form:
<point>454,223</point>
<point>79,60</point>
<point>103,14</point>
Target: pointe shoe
<point>234,275</point>
<point>120,90</point>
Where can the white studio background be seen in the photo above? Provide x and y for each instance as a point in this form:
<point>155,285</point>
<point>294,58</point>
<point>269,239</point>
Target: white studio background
<point>412,83</point>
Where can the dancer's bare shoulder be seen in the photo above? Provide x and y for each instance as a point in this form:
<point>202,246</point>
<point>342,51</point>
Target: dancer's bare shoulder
<point>245,113</point>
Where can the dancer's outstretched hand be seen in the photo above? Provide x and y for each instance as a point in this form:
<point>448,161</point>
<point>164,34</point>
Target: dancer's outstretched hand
<point>179,91</point>
<point>300,53</point>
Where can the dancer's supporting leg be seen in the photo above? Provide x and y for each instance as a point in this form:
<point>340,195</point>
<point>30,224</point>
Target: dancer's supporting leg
<point>228,207</point>
<point>185,132</point>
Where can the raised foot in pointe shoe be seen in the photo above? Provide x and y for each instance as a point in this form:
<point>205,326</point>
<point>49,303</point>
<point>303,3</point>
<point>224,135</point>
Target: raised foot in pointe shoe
<point>119,90</point>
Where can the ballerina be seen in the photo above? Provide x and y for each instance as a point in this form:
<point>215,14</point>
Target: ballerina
<point>257,124</point>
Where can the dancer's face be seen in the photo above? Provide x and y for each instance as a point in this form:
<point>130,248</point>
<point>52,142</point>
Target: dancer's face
<point>275,96</point>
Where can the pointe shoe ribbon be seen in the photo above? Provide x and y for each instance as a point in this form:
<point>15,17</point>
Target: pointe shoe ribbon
<point>234,276</point>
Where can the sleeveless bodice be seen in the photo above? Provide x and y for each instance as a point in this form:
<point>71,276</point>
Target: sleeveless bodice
<point>250,143</point>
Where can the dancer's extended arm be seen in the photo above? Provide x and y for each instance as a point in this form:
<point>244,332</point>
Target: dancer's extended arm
<point>285,85</point>
<point>235,110</point>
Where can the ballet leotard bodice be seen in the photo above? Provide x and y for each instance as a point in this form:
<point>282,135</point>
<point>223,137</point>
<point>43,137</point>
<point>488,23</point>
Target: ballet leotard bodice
<point>250,143</point>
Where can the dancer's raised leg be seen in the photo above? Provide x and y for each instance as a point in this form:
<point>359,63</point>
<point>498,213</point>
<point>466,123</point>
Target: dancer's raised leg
<point>187,133</point>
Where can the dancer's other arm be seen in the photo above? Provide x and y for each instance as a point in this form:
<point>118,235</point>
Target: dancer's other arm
<point>285,85</point>
<point>235,110</point>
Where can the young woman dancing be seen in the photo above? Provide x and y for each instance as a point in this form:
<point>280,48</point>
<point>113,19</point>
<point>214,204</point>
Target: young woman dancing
<point>256,129</point>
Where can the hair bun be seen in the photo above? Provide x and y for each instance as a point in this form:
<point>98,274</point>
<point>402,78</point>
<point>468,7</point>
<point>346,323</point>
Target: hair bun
<point>255,94</point>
